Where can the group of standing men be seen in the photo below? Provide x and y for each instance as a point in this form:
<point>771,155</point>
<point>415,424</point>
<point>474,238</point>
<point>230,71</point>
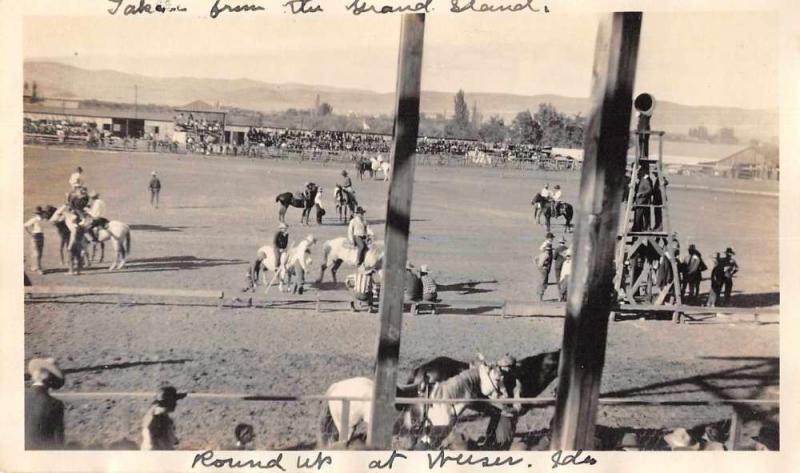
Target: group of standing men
<point>555,257</point>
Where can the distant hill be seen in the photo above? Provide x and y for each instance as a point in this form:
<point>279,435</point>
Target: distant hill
<point>59,80</point>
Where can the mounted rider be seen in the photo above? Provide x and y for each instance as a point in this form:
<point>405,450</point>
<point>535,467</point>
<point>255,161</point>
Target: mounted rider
<point>358,233</point>
<point>97,210</point>
<point>347,185</point>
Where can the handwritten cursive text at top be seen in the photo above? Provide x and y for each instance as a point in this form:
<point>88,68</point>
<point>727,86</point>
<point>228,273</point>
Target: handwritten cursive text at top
<point>358,7</point>
<point>143,7</point>
<point>220,6</point>
<point>460,6</point>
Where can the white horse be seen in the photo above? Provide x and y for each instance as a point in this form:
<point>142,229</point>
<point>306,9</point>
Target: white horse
<point>296,260</point>
<point>340,250</point>
<point>378,164</point>
<point>120,235</point>
<point>360,411</point>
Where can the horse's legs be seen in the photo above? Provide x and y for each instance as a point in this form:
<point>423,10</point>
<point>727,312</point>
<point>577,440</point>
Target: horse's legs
<point>335,268</point>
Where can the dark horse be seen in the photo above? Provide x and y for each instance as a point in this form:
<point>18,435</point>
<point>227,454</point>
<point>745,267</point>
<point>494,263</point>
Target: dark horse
<point>287,199</point>
<point>344,201</point>
<point>558,209</point>
<point>539,203</point>
<point>364,166</point>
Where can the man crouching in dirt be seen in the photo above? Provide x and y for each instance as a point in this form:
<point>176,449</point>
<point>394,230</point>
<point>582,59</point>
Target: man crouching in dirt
<point>362,284</point>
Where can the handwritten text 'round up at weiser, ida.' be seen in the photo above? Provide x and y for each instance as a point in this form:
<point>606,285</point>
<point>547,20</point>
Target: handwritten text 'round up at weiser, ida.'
<point>438,460</point>
<point>221,8</point>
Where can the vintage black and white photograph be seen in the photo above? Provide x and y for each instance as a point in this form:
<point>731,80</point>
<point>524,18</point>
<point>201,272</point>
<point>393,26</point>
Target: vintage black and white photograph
<point>526,232</point>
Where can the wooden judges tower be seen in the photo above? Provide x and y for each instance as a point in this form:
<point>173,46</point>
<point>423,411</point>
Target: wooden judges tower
<point>647,268</point>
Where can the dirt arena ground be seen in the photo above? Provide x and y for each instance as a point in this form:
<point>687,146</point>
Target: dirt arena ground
<point>474,227</point>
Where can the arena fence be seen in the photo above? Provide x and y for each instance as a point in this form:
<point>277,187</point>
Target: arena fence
<point>732,443</point>
<point>497,308</point>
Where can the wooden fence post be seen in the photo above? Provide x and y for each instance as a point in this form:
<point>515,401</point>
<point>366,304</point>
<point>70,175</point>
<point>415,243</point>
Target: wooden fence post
<point>398,215</point>
<point>591,282</point>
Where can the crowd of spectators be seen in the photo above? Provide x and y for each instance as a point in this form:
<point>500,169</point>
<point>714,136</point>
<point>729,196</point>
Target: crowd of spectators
<point>60,128</point>
<point>320,140</point>
<point>201,133</point>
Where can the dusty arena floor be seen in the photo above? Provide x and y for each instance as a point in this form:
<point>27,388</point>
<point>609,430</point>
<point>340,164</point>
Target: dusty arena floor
<point>474,227</point>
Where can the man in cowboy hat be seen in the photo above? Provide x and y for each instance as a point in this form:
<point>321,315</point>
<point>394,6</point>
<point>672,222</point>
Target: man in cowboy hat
<point>693,266</point>
<point>44,415</point>
<point>362,284</point>
<point>158,429</point>
<point>347,184</point>
<point>556,195</point>
<point>413,285</point>
<point>558,257</point>
<point>429,288</point>
<point>33,227</point>
<point>544,260</point>
<point>97,210</point>
<point>717,281</point>
<point>357,233</point>
<point>566,270</point>
<point>503,422</point>
<point>729,268</point>
<point>155,189</point>
<point>280,242</point>
<point>76,178</point>
<point>318,205</point>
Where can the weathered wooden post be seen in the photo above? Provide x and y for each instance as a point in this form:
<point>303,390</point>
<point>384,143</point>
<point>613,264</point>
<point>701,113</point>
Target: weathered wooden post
<point>602,181</point>
<point>398,215</point>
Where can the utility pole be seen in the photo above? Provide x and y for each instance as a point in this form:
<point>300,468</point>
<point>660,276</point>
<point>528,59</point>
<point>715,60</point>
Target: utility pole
<point>591,282</point>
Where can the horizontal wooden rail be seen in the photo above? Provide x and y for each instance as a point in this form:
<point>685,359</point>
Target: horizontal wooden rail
<point>548,401</point>
<point>506,307</point>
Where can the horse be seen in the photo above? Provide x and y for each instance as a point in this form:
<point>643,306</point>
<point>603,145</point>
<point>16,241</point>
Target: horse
<point>64,235</point>
<point>378,164</point>
<point>340,250</point>
<point>360,411</point>
<point>558,209</point>
<point>120,235</point>
<point>364,166</point>
<point>435,371</point>
<point>287,199</point>
<point>539,202</point>
<point>344,201</point>
<point>298,263</point>
<point>479,382</point>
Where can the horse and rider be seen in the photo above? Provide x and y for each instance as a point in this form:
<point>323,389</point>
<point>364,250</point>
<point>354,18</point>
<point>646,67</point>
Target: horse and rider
<point>548,204</point>
<point>304,199</point>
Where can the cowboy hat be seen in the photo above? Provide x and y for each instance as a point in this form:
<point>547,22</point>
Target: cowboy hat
<point>94,194</point>
<point>39,210</point>
<point>423,268</point>
<point>153,173</point>
<point>679,439</point>
<point>729,251</point>
<point>283,226</point>
<point>549,235</point>
<point>46,368</point>
<point>360,210</point>
<point>168,395</point>
<point>409,265</point>
<point>244,433</point>
<point>311,238</point>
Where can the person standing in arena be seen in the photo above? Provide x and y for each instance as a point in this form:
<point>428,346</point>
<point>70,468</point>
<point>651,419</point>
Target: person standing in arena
<point>280,242</point>
<point>318,205</point>
<point>44,415</point>
<point>34,228</point>
<point>155,189</point>
<point>357,233</point>
<point>544,261</point>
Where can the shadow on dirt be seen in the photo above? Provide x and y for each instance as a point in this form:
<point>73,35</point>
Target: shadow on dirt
<point>144,227</point>
<point>125,365</point>
<point>176,263</point>
<point>465,288</point>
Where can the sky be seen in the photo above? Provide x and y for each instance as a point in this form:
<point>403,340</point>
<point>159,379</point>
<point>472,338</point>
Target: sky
<point>719,58</point>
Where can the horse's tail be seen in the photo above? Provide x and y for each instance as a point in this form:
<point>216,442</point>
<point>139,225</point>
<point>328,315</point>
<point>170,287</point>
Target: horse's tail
<point>327,428</point>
